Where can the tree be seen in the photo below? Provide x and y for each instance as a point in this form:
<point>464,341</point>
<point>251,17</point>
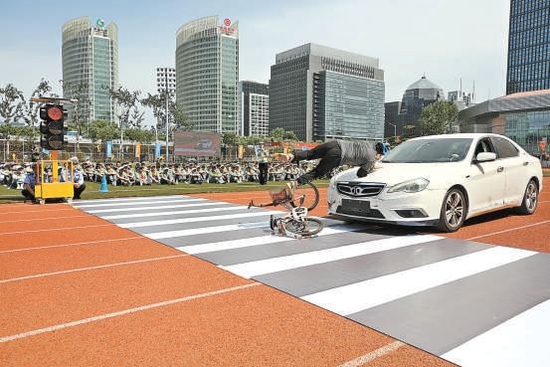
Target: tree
<point>129,115</point>
<point>12,103</point>
<point>102,130</point>
<point>79,112</point>
<point>437,118</point>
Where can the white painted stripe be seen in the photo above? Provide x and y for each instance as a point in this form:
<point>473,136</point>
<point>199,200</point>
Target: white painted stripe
<point>259,241</point>
<point>43,219</point>
<point>42,275</point>
<point>117,210</point>
<point>369,357</point>
<point>57,229</point>
<point>508,230</point>
<point>360,296</point>
<point>177,212</point>
<point>140,202</point>
<point>210,218</point>
<point>205,230</point>
<point>520,341</point>
<point>123,312</point>
<point>70,244</point>
<point>128,199</point>
<point>255,268</point>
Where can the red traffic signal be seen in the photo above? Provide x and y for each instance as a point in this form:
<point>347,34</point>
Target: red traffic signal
<point>52,127</point>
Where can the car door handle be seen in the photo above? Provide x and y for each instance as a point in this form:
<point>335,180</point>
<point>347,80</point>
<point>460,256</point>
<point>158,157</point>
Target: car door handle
<point>500,169</point>
<point>525,163</point>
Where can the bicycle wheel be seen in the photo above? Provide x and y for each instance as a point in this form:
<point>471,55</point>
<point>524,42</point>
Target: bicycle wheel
<point>309,227</point>
<point>310,193</point>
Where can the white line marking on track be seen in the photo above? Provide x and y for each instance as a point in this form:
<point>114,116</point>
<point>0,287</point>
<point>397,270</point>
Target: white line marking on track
<point>123,312</point>
<point>352,298</point>
<point>369,357</point>
<point>71,244</point>
<point>508,230</point>
<point>91,268</point>
<point>58,229</point>
<point>81,217</point>
<point>255,268</point>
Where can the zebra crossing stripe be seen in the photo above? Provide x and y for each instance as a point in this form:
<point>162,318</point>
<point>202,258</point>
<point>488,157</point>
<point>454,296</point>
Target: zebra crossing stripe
<point>359,296</point>
<point>166,213</point>
<point>148,208</point>
<point>136,202</point>
<point>258,241</point>
<point>260,267</point>
<point>204,230</point>
<point>154,223</point>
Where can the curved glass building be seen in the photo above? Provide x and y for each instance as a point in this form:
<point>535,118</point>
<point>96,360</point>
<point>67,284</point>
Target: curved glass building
<point>90,67</point>
<point>207,73</point>
<point>524,117</point>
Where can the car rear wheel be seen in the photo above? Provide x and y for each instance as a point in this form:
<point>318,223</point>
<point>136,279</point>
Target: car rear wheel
<point>530,199</point>
<point>453,211</point>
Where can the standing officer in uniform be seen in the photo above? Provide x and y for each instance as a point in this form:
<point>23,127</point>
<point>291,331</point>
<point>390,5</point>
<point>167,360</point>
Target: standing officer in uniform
<point>263,165</point>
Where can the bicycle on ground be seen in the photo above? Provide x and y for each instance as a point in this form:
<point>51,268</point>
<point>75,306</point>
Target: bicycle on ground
<point>293,198</point>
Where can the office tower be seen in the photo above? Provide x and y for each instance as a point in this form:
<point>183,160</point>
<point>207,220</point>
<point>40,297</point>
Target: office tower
<point>90,68</point>
<point>392,127</point>
<point>528,46</point>
<point>207,73</point>
<point>323,93</point>
<point>166,80</point>
<point>253,109</point>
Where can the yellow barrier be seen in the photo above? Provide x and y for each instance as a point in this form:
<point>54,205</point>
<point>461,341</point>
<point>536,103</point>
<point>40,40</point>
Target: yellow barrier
<point>48,184</point>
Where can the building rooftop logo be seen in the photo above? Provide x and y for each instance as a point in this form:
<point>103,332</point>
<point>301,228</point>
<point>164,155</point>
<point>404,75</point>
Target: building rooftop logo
<point>227,22</point>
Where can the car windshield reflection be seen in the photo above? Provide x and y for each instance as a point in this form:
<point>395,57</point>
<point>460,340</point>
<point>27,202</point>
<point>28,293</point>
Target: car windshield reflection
<point>430,151</point>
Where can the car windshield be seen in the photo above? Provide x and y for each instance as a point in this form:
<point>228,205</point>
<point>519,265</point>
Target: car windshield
<point>430,150</point>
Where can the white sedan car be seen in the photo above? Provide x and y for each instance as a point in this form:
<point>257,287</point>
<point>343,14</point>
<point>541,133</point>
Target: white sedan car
<point>440,180</point>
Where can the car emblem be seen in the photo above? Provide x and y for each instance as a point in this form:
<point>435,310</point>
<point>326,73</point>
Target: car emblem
<point>355,190</point>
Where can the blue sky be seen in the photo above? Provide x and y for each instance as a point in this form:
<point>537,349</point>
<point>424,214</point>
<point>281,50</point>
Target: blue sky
<point>443,39</point>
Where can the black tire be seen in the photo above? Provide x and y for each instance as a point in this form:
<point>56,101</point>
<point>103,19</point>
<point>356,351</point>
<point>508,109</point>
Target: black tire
<point>530,201</point>
<point>311,227</point>
<point>453,211</point>
<point>272,222</point>
<point>310,193</point>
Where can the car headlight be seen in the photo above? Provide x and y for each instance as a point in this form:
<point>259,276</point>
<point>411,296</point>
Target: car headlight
<point>416,185</point>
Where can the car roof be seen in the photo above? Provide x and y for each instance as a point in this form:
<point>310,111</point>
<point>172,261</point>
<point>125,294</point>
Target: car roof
<point>458,135</point>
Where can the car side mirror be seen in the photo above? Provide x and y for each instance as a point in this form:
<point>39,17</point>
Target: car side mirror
<point>486,157</point>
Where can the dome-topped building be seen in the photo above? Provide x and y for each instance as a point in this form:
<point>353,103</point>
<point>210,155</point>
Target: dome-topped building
<point>421,93</point>
<point>417,96</point>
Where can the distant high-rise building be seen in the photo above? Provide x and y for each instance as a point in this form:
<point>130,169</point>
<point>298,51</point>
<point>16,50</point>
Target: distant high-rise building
<point>391,118</point>
<point>166,80</point>
<point>253,109</point>
<point>207,73</point>
<point>90,68</point>
<point>321,93</point>
<point>528,46</point>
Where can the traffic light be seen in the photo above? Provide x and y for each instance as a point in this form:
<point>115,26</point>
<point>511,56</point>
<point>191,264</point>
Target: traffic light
<point>52,127</point>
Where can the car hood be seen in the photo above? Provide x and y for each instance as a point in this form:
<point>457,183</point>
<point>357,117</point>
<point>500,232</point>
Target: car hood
<point>394,173</point>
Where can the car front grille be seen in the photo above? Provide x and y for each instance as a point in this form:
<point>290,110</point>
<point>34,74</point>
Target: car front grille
<point>359,189</point>
<point>370,213</point>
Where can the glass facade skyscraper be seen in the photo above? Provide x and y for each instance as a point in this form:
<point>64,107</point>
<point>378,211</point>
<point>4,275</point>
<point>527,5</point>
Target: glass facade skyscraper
<point>321,93</point>
<point>207,73</point>
<point>90,67</point>
<point>528,46</point>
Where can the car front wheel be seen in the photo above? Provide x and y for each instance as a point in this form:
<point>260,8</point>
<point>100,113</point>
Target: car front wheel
<point>453,211</point>
<point>530,199</point>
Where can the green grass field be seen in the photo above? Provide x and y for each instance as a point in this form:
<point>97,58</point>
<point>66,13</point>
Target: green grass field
<point>92,190</point>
